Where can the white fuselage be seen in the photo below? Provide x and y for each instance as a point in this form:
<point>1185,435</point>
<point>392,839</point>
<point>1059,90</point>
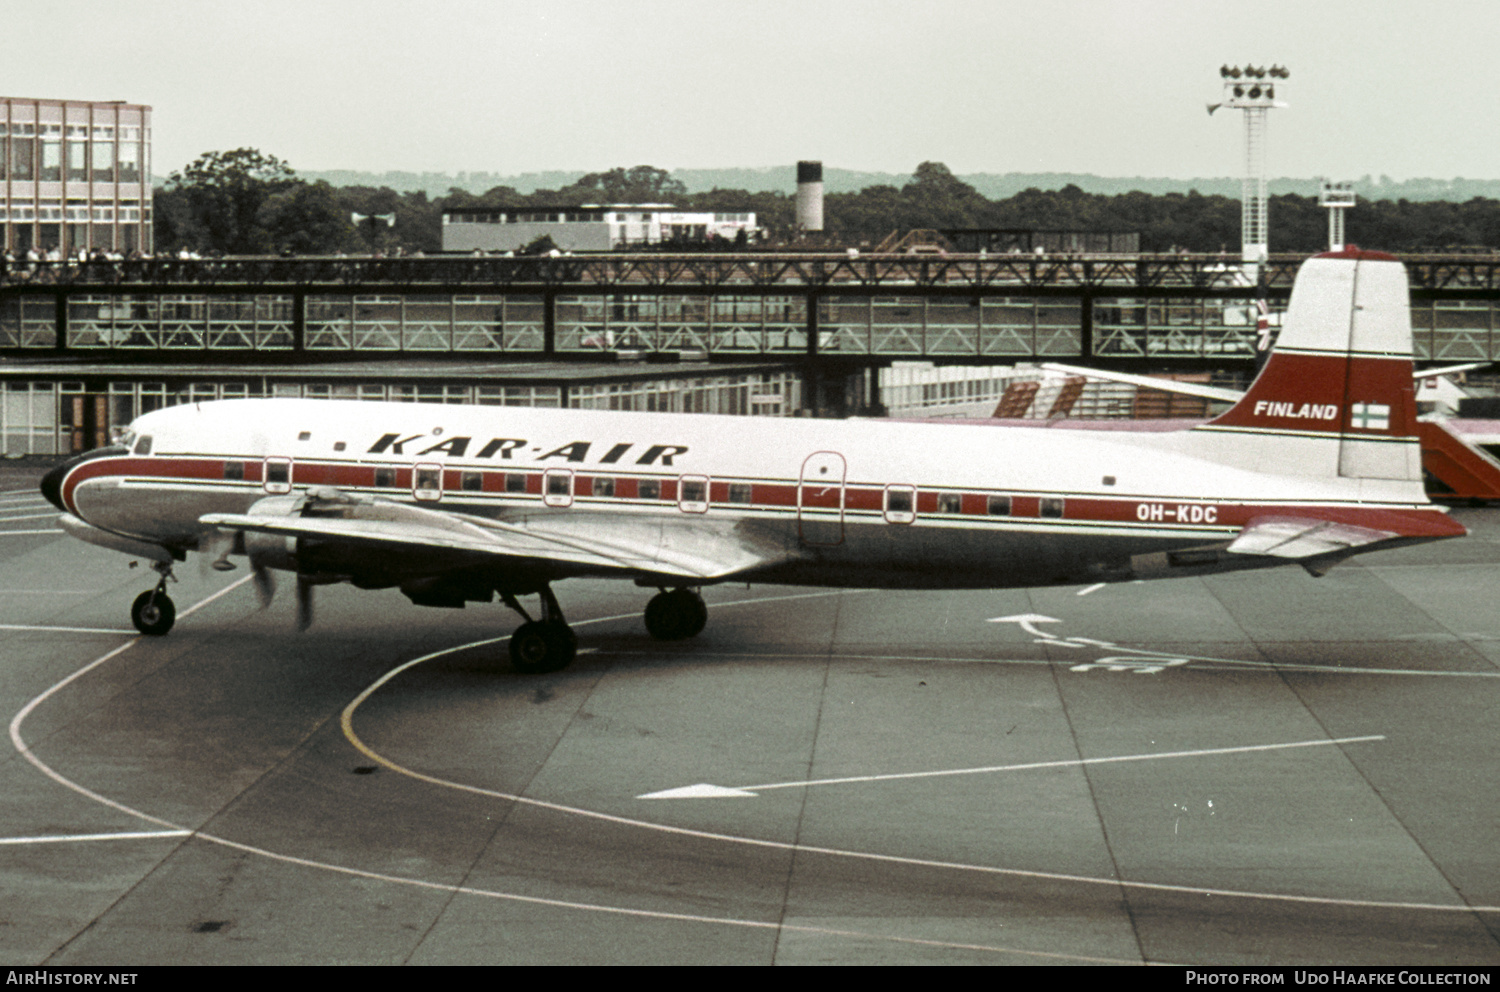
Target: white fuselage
<point>856,503</point>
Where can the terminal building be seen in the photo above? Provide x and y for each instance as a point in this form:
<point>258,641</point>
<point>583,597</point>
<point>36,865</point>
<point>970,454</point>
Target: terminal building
<point>76,176</point>
<point>591,227</point>
<point>57,406</point>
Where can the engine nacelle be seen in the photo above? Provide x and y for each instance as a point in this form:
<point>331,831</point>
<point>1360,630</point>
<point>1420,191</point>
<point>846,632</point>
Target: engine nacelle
<point>273,550</point>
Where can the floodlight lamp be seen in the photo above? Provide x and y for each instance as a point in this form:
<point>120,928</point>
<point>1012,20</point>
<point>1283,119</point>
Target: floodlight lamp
<point>1234,73</point>
<point>1239,91</point>
<point>1255,92</point>
<point>1270,92</point>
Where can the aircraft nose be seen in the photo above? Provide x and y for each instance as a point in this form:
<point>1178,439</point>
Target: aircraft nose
<point>52,485</point>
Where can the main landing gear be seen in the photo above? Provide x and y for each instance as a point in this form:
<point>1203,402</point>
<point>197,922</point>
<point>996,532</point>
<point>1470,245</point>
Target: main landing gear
<point>676,615</point>
<point>545,645</point>
<point>153,612</point>
<point>549,644</point>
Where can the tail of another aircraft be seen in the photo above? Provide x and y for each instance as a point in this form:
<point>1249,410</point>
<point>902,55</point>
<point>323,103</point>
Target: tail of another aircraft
<point>1336,397</point>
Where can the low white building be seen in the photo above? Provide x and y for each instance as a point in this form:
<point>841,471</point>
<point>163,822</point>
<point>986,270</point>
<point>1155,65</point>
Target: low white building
<point>590,227</point>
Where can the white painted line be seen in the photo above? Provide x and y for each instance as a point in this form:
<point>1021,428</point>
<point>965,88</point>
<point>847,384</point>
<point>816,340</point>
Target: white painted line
<point>651,914</point>
<point>708,791</point>
<point>28,516</point>
<point>346,720</point>
<point>774,925</point>
<point>71,838</point>
<point>51,592</point>
<point>4,532</point>
<point>1093,588</point>
<point>991,870</point>
<point>65,630</point>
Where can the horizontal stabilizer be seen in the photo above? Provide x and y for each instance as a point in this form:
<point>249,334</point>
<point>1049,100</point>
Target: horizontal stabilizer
<point>1151,382</point>
<point>1302,537</point>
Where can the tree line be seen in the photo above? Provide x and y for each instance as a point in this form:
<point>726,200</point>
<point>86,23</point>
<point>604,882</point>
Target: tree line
<point>243,202</point>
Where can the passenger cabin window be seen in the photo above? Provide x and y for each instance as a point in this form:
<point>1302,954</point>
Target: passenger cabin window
<point>1052,506</point>
<point>234,470</point>
<point>385,478</point>
<point>999,506</point>
<point>277,476</point>
<point>649,489</point>
<point>515,482</point>
<point>739,492</point>
<point>692,494</point>
<point>604,487</point>
<point>143,444</point>
<point>472,482</point>
<point>900,504</point>
<point>427,482</point>
<point>950,503</point>
<point>558,488</point>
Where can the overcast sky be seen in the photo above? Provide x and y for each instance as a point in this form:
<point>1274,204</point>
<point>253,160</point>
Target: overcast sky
<point>1112,87</point>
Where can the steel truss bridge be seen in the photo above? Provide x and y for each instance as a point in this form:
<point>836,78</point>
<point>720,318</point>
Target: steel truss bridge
<point>1174,311</point>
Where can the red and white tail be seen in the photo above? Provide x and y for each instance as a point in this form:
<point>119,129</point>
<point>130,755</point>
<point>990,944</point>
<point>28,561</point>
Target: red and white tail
<point>1336,397</point>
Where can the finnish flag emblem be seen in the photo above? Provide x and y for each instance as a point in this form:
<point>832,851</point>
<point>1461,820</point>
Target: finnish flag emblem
<point>1370,416</point>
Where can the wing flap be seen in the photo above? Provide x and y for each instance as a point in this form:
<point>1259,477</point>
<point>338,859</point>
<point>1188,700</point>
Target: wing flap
<point>1303,537</point>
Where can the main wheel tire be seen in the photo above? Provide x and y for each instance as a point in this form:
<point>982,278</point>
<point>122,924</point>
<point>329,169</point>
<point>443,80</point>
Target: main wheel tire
<point>676,615</point>
<point>542,646</point>
<point>153,613</point>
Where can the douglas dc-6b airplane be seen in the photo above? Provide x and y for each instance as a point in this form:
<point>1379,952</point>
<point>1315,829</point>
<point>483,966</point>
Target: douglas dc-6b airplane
<point>457,504</point>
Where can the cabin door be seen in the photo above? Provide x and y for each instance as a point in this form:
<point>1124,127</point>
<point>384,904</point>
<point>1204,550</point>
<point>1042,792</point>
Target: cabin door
<point>820,499</point>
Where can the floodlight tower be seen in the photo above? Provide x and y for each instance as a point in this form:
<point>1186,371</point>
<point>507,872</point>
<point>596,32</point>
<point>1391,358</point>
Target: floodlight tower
<point>1336,198</point>
<point>1252,89</point>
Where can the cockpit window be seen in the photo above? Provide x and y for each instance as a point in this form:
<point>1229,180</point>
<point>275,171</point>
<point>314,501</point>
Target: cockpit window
<point>143,445</point>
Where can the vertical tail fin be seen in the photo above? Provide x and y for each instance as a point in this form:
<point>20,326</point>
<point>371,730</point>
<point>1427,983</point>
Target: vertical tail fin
<point>1336,397</point>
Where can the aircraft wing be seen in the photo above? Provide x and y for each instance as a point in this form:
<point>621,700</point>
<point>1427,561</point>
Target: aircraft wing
<point>418,539</point>
<point>1302,537</point>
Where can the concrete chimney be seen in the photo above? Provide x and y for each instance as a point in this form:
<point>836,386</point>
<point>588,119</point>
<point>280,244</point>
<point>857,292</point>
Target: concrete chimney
<point>809,196</point>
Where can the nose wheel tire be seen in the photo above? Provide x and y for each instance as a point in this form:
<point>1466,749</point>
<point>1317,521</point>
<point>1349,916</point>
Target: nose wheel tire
<point>540,646</point>
<point>153,613</point>
<point>676,615</point>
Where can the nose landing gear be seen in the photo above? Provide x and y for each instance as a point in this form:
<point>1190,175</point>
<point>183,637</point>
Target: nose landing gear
<point>153,611</point>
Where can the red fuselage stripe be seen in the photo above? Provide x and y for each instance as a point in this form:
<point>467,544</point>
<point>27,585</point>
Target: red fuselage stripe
<point>943,503</point>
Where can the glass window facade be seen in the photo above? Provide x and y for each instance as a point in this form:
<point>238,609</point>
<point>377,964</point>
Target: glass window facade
<point>94,156</point>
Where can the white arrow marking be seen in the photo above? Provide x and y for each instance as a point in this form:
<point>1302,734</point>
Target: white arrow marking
<point>1026,620</point>
<point>701,791</point>
<point>705,791</point>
